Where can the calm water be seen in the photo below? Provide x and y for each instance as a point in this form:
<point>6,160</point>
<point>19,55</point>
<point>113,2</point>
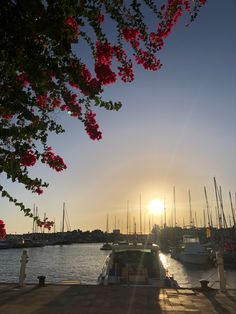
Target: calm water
<point>83,262</point>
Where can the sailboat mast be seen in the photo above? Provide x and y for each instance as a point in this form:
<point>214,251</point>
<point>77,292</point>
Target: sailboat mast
<point>217,204</point>
<point>127,217</point>
<point>140,212</point>
<point>164,214</point>
<point>222,208</point>
<point>207,206</point>
<point>190,208</point>
<point>107,230</point>
<point>174,207</point>
<point>63,218</point>
<point>232,209</point>
<point>33,228</point>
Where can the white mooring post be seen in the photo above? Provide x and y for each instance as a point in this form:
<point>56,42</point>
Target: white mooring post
<point>23,261</point>
<point>221,272</point>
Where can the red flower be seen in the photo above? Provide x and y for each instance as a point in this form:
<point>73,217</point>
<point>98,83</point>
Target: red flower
<point>104,53</point>
<point>42,101</point>
<point>28,159</point>
<point>7,116</point>
<point>91,126</point>
<point>38,191</point>
<point>130,33</point>
<point>126,72</point>
<point>56,103</point>
<point>105,74</point>
<point>148,60</point>
<point>100,18</point>
<point>54,161</point>
<point>2,230</point>
<point>23,79</point>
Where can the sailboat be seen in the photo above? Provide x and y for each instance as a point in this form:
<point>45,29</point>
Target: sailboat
<point>106,246</point>
<point>192,251</point>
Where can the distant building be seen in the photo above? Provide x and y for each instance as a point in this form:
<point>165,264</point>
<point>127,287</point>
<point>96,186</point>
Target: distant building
<point>116,231</point>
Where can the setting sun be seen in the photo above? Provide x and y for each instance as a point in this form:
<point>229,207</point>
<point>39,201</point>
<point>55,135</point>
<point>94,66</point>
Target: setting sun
<point>156,206</point>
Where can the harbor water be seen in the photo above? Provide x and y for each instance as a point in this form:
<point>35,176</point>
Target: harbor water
<point>83,263</point>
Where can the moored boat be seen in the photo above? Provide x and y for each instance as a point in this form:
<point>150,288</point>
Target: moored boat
<point>135,264</point>
<point>4,244</point>
<point>192,252</point>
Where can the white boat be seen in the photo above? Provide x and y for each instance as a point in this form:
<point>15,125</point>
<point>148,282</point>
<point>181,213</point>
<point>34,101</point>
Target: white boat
<point>192,252</point>
<point>135,264</point>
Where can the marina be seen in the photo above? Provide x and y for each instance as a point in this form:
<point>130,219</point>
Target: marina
<point>83,263</point>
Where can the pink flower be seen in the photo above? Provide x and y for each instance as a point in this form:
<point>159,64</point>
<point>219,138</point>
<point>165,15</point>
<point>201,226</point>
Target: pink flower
<point>28,159</point>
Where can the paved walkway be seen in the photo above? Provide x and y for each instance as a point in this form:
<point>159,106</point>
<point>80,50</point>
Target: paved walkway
<point>70,299</point>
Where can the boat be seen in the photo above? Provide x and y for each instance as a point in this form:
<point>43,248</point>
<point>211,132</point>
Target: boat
<point>192,252</point>
<point>106,247</point>
<point>4,244</point>
<point>229,255</point>
<point>135,264</point>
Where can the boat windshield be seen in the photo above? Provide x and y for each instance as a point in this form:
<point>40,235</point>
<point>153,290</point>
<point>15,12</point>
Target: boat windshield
<point>136,260</point>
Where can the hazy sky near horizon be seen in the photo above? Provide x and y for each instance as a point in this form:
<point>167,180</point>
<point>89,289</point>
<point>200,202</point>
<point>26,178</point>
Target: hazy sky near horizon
<point>177,127</point>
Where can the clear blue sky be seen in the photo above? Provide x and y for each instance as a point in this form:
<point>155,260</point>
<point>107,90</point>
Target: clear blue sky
<point>177,127</point>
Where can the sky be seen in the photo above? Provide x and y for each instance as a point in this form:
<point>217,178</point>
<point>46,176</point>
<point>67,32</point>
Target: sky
<point>176,128</point>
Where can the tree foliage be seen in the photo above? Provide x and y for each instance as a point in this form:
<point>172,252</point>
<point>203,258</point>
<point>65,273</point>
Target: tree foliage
<point>42,72</point>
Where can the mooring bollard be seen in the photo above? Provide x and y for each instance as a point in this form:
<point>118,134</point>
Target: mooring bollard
<point>204,284</point>
<point>24,261</point>
<point>221,272</point>
<point>41,281</point>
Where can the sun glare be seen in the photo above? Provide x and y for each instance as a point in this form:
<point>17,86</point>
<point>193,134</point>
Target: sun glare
<point>156,206</point>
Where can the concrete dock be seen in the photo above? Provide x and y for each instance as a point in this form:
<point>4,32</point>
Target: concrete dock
<point>83,299</point>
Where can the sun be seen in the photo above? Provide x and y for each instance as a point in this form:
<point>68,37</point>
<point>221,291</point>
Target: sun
<point>156,206</point>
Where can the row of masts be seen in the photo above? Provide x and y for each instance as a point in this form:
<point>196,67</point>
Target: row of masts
<point>65,223</point>
<point>220,217</point>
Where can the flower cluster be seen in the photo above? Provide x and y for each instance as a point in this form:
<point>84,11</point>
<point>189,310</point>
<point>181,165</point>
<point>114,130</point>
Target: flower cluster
<point>130,33</point>
<point>7,116</point>
<point>2,230</point>
<point>71,22</point>
<point>126,72</point>
<point>100,18</point>
<point>46,224</point>
<point>21,77</point>
<point>28,159</point>
<point>103,60</point>
<point>91,126</point>
<point>126,69</point>
<point>147,60</point>
<point>38,190</point>
<point>42,101</point>
<point>54,161</point>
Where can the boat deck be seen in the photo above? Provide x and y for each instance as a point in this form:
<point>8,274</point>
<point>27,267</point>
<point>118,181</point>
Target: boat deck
<point>83,299</point>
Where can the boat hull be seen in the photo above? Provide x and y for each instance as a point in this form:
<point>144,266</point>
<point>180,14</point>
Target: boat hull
<point>197,259</point>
